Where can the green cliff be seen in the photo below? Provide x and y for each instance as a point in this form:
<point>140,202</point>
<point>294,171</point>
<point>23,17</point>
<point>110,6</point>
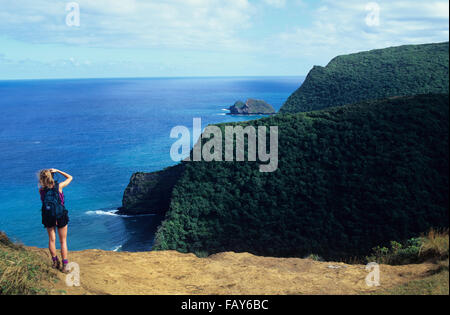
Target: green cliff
<point>376,74</point>
<point>349,178</point>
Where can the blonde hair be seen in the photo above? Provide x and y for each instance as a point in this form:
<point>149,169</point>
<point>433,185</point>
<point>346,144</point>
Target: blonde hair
<point>46,179</point>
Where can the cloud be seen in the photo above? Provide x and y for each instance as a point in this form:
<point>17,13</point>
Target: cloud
<point>216,25</point>
<point>205,36</point>
<point>276,3</point>
<point>341,27</point>
<point>193,24</point>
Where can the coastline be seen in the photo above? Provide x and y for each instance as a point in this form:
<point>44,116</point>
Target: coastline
<point>132,137</point>
<point>252,115</point>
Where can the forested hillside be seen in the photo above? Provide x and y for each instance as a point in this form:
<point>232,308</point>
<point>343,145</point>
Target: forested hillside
<point>376,74</point>
<point>349,178</point>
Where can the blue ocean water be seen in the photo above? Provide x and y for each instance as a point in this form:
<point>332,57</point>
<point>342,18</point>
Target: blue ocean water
<point>101,131</point>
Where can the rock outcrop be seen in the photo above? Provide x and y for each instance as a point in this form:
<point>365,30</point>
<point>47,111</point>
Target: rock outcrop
<point>252,107</point>
<point>149,193</point>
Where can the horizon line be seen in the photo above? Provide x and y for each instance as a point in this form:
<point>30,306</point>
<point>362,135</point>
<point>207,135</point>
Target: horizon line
<point>157,77</point>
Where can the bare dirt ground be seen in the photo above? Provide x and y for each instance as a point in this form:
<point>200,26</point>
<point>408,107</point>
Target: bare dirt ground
<point>173,273</point>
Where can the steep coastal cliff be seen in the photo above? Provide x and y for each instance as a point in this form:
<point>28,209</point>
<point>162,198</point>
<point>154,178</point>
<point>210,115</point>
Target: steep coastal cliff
<point>376,74</point>
<point>350,177</point>
<point>150,193</point>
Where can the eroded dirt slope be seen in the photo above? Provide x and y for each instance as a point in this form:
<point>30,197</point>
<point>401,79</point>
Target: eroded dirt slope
<point>171,272</point>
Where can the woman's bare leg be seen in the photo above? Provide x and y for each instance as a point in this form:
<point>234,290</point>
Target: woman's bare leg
<point>63,241</point>
<point>52,241</point>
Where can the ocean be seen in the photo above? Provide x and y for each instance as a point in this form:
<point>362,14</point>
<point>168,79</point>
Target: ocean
<point>101,131</point>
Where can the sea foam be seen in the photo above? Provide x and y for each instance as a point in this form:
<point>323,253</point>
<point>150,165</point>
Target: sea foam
<point>114,213</point>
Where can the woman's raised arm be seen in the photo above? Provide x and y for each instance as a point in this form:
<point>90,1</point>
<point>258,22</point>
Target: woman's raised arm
<point>67,176</point>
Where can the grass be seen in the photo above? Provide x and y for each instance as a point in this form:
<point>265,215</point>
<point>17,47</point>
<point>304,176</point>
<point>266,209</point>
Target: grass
<point>436,283</point>
<point>435,245</point>
<point>22,272</point>
<point>430,247</point>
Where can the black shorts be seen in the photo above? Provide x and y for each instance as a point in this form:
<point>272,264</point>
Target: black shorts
<point>51,221</point>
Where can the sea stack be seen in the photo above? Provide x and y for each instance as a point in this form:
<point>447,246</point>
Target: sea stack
<point>252,107</point>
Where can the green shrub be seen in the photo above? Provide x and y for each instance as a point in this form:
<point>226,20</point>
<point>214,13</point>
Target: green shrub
<point>397,253</point>
<point>433,246</point>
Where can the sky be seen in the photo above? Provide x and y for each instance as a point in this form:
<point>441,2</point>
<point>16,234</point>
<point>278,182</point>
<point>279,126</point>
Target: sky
<point>44,39</point>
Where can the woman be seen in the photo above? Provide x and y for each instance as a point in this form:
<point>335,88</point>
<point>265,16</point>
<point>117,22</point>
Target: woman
<point>54,214</point>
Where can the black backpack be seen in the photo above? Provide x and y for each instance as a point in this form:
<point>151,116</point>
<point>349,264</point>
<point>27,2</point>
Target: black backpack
<point>51,205</point>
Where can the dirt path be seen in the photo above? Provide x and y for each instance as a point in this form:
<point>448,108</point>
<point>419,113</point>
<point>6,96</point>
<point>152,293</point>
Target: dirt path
<point>226,273</point>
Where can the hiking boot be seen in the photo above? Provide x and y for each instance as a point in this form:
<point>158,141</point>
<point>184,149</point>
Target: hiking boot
<point>65,268</point>
<point>55,263</point>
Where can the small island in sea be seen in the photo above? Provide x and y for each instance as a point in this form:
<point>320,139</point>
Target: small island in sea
<point>251,107</point>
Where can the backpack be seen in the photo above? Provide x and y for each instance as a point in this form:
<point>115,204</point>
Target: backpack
<point>51,205</point>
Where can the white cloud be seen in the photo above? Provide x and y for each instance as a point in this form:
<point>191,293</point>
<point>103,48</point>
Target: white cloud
<point>217,24</point>
<point>340,27</point>
<point>192,24</point>
<point>244,32</point>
